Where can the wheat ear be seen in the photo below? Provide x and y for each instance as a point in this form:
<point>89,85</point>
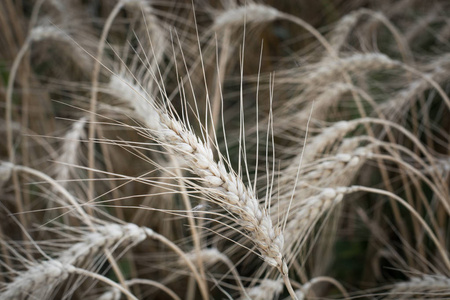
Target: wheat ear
<point>342,29</point>
<point>238,16</point>
<point>53,271</point>
<point>356,63</point>
<point>48,274</point>
<point>423,286</point>
<point>69,151</point>
<point>227,187</point>
<point>267,289</point>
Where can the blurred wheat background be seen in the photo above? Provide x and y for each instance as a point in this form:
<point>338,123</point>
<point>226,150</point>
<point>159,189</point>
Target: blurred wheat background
<point>224,149</point>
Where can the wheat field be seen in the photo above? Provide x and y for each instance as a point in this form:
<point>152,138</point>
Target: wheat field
<point>163,149</point>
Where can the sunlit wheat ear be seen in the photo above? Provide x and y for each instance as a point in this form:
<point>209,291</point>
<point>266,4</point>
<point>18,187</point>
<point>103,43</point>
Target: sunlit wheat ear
<point>266,289</point>
<point>426,286</point>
